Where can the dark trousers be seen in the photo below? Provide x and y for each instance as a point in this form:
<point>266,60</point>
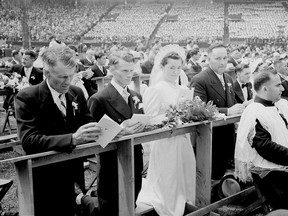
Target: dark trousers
<point>108,180</point>
<point>223,147</point>
<point>274,187</point>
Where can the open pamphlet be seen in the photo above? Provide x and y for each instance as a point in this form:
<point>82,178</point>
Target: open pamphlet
<point>110,129</point>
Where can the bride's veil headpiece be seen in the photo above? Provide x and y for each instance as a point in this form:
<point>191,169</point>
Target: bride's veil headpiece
<point>156,73</point>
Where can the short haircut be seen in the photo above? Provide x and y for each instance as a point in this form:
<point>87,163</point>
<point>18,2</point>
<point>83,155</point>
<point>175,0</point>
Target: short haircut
<point>193,52</point>
<point>15,52</point>
<point>116,56</point>
<point>31,53</point>
<point>263,77</point>
<point>214,46</point>
<point>240,67</point>
<point>171,55</point>
<point>99,55</point>
<point>63,54</point>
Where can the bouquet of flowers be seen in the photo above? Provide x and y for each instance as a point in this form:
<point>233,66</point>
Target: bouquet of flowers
<point>15,82</point>
<point>188,111</point>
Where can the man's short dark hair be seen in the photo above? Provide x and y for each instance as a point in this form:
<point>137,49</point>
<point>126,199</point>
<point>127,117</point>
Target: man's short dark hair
<point>15,52</point>
<point>99,55</point>
<point>116,56</point>
<point>263,77</point>
<point>240,67</point>
<point>214,46</point>
<point>31,53</point>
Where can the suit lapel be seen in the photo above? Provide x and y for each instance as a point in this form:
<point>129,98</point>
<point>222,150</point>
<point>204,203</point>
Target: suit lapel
<point>238,91</point>
<point>216,83</point>
<point>118,103</point>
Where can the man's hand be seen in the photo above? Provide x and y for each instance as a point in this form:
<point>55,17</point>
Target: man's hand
<point>86,133</point>
<point>236,109</point>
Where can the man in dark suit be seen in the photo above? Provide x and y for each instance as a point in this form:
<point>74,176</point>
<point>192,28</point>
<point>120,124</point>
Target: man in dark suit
<point>16,57</point>
<point>214,85</point>
<point>99,66</point>
<point>53,115</point>
<point>33,74</point>
<point>119,103</point>
<point>26,69</point>
<point>242,85</point>
<point>234,56</point>
<point>192,57</point>
<point>89,60</point>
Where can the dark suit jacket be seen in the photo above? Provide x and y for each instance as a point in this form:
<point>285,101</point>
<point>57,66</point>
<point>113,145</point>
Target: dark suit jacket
<point>146,67</point>
<point>209,88</point>
<point>42,127</point>
<point>110,102</point>
<point>239,94</point>
<point>85,62</point>
<point>196,67</point>
<point>232,73</point>
<point>98,72</point>
<point>36,75</point>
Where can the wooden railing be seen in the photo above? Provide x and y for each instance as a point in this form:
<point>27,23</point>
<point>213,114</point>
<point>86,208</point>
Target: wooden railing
<point>124,146</point>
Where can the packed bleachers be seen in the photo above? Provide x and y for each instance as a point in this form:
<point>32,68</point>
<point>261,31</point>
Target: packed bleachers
<point>258,20</point>
<point>133,22</point>
<point>46,19</point>
<point>195,19</point>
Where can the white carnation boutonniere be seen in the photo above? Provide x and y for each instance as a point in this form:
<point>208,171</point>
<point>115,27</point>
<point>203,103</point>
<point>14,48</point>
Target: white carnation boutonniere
<point>229,87</point>
<point>32,77</point>
<point>136,101</point>
<point>75,107</point>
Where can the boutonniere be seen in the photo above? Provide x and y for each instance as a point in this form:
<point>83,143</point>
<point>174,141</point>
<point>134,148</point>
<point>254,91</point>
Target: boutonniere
<point>75,107</point>
<point>229,87</point>
<point>136,101</point>
<point>32,77</point>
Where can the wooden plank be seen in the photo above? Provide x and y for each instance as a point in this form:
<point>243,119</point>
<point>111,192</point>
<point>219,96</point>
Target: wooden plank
<point>212,207</point>
<point>203,164</point>
<point>10,144</point>
<point>229,120</point>
<point>126,178</point>
<point>25,187</point>
<point>8,137</point>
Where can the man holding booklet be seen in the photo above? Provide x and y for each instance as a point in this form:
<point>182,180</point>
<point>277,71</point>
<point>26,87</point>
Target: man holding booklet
<point>119,103</point>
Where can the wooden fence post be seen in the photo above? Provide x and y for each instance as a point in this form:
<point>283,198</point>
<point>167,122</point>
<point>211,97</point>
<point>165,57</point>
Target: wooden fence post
<point>126,177</point>
<point>25,187</point>
<point>203,164</point>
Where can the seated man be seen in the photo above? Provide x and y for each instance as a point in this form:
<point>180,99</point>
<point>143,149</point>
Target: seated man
<point>242,85</point>
<point>262,140</point>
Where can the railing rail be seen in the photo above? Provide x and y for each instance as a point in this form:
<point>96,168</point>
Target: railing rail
<point>124,146</point>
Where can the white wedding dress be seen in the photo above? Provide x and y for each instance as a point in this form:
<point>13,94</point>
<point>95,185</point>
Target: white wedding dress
<point>171,178</point>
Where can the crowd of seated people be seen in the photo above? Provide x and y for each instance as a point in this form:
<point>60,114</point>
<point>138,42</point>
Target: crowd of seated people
<point>46,19</point>
<point>258,20</point>
<point>201,19</point>
<point>134,21</point>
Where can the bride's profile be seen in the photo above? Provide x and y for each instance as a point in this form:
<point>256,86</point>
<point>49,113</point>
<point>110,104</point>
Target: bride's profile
<point>171,178</point>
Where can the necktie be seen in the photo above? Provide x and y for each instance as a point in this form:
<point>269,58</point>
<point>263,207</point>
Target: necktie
<point>222,81</point>
<point>125,95</point>
<point>62,104</point>
<point>244,85</point>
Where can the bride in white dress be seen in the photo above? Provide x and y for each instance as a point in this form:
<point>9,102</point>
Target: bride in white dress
<point>171,178</point>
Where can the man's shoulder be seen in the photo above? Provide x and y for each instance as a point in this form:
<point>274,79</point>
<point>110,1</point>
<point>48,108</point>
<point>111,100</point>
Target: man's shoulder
<point>203,75</point>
